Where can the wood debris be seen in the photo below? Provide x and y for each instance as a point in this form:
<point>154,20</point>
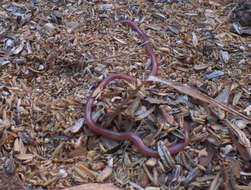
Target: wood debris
<point>54,53</point>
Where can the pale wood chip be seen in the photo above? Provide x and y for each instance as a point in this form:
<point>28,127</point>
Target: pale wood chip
<point>93,186</point>
<point>106,173</point>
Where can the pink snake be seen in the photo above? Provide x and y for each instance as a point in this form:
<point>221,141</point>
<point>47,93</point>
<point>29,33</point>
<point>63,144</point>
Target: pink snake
<point>119,136</point>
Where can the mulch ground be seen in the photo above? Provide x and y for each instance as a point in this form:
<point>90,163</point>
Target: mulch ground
<point>54,53</point>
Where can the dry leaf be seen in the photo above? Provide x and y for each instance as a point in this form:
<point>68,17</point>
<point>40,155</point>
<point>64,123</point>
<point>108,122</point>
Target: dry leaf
<point>198,95</point>
<point>241,136</point>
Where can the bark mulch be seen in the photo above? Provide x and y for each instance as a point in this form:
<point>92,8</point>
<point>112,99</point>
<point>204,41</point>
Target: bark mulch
<point>54,53</point>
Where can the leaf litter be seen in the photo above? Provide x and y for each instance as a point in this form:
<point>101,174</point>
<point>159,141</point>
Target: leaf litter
<point>54,53</point>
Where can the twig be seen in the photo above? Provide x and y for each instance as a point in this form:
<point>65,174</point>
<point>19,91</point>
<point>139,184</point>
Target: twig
<point>198,95</point>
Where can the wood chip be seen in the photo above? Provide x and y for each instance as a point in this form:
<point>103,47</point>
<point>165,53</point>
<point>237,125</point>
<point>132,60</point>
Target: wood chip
<point>107,172</point>
<point>94,186</point>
